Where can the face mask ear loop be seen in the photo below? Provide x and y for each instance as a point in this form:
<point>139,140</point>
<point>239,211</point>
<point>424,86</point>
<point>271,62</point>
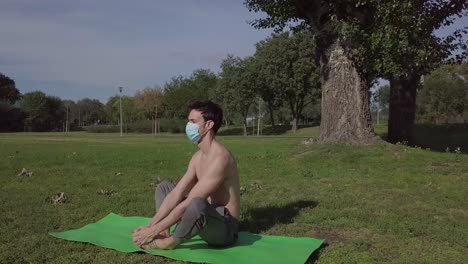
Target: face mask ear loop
<point>202,135</point>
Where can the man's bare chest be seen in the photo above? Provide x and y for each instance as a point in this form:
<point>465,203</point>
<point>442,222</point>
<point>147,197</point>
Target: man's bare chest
<point>202,167</point>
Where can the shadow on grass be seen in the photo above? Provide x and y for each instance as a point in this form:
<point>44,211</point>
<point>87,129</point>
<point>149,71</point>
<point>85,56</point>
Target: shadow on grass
<point>439,138</point>
<point>261,219</point>
<point>245,239</point>
<point>317,253</point>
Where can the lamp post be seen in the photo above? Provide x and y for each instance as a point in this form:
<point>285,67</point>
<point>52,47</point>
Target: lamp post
<point>259,118</point>
<point>66,124</point>
<point>120,89</point>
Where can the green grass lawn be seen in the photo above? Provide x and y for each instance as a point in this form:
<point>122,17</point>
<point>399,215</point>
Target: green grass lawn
<point>372,204</point>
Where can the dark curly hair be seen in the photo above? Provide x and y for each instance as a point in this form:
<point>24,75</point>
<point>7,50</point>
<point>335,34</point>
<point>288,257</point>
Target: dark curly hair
<point>209,111</point>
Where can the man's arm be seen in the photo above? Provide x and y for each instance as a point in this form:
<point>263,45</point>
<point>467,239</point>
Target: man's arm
<point>175,196</point>
<point>207,184</point>
<point>210,182</point>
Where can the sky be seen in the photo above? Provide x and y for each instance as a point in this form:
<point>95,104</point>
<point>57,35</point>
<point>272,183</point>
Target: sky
<point>88,48</point>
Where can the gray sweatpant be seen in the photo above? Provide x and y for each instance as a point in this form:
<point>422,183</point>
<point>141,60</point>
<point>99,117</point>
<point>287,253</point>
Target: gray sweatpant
<point>214,224</point>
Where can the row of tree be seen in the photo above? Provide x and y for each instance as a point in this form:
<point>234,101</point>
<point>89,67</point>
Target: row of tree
<point>281,78</point>
<point>441,98</point>
<point>281,73</point>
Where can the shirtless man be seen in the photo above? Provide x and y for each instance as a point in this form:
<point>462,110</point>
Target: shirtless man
<point>206,200</point>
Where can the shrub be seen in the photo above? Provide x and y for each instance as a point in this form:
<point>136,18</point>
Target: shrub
<point>141,126</point>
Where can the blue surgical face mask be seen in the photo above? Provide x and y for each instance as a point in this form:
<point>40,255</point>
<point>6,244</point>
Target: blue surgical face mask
<point>191,130</point>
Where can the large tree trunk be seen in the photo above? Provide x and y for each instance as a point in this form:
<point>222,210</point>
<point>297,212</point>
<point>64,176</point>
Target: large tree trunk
<point>402,108</point>
<point>346,116</point>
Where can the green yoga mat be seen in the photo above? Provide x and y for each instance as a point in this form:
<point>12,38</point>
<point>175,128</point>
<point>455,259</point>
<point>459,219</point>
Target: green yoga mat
<point>114,231</point>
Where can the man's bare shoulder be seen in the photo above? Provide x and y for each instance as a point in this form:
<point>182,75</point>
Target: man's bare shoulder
<point>222,154</point>
<point>196,155</point>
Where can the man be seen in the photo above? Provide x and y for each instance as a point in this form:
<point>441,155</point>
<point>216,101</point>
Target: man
<point>206,200</point>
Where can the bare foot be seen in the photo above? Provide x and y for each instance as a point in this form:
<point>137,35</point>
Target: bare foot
<point>160,243</point>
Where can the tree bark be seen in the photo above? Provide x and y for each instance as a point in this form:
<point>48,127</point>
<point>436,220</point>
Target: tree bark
<point>346,117</point>
<point>402,112</point>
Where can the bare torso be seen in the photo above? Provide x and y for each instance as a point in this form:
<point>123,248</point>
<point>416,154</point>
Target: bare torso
<point>227,194</point>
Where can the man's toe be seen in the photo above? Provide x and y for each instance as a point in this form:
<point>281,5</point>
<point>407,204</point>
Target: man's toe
<point>150,245</point>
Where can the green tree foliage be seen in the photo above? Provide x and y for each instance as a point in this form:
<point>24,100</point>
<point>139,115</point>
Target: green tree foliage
<point>395,36</point>
<point>149,100</point>
<point>8,91</point>
<point>130,112</point>
<point>443,96</point>
<point>112,113</point>
<point>180,91</point>
<point>401,39</point>
<point>311,114</point>
<point>380,103</point>
<point>73,114</point>
<point>236,86</point>
<point>463,70</point>
<point>92,111</point>
<point>267,58</point>
<point>176,97</point>
<point>288,72</point>
<point>43,113</point>
<point>266,91</point>
<point>11,118</point>
<point>381,98</point>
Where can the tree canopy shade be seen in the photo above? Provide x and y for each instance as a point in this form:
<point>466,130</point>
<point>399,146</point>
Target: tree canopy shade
<point>359,40</point>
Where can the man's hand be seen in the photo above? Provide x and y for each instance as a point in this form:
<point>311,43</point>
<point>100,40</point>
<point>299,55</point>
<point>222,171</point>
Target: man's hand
<point>143,235</point>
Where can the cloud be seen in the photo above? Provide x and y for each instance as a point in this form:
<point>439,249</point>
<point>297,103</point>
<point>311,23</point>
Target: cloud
<point>60,46</point>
